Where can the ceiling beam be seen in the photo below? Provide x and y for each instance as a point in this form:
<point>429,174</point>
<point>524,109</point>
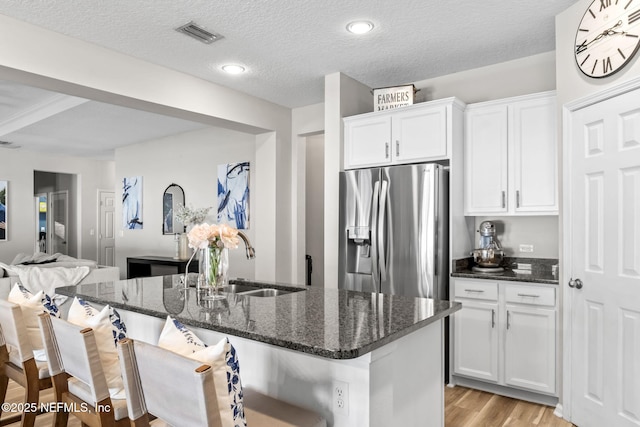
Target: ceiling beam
<point>49,107</point>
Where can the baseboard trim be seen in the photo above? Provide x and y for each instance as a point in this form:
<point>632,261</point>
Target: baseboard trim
<point>515,393</point>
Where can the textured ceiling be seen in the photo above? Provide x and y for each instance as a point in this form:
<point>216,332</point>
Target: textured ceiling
<point>287,46</point>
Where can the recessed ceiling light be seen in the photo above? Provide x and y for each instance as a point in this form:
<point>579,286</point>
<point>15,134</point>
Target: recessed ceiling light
<point>233,69</point>
<point>359,27</point>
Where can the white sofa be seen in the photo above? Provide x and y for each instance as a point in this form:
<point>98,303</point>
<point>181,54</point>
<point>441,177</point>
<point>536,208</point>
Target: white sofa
<point>99,274</point>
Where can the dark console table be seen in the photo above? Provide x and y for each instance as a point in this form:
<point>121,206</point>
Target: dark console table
<point>146,266</point>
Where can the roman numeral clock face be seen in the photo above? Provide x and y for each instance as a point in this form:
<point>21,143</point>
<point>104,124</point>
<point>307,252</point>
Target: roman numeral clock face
<point>608,36</point>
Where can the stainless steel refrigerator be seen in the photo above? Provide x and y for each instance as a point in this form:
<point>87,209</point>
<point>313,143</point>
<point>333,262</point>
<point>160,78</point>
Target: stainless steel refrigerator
<point>394,230</point>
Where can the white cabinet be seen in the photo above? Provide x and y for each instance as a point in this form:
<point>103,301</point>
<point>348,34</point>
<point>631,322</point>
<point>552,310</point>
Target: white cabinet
<point>475,331</point>
<point>506,334</point>
<point>511,156</point>
<point>485,160</point>
<point>530,348</point>
<point>369,139</point>
<point>416,133</point>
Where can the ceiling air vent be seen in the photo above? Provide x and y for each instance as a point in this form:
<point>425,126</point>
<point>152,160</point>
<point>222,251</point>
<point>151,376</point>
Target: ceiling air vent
<point>7,144</point>
<point>197,32</point>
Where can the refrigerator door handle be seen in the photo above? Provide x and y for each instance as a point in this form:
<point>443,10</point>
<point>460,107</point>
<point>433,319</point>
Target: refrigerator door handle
<point>428,232</point>
<point>374,237</point>
<point>381,242</point>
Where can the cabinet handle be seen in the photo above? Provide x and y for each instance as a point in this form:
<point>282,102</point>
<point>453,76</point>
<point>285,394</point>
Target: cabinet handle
<point>397,148</point>
<point>508,319</point>
<point>474,290</point>
<point>386,150</point>
<point>529,295</point>
<point>504,199</point>
<point>493,318</point>
<point>517,198</point>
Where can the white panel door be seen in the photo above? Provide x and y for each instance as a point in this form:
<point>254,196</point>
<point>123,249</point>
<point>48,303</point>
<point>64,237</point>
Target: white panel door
<point>107,235</point>
<point>603,197</point>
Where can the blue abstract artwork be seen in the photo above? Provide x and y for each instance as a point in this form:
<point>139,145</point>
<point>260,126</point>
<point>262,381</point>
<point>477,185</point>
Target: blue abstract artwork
<point>233,194</point>
<point>3,210</point>
<point>132,203</point>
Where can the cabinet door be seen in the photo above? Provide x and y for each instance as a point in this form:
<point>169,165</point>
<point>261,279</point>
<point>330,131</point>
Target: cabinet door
<point>485,160</point>
<point>419,134</point>
<point>367,141</point>
<point>530,348</point>
<point>533,136</point>
<point>476,340</point>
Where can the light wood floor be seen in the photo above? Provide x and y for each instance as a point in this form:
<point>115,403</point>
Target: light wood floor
<point>466,407</point>
<point>463,408</point>
<point>15,393</point>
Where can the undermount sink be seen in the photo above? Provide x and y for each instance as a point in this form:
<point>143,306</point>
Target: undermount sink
<point>256,291</point>
<point>237,289</point>
<point>266,292</point>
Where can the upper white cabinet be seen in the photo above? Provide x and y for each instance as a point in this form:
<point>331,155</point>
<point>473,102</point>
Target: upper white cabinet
<point>511,156</point>
<point>416,133</point>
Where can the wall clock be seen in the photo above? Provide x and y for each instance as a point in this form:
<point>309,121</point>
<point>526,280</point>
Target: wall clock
<point>608,36</point>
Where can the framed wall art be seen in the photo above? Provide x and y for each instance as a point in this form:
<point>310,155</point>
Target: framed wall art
<point>132,203</point>
<point>3,210</point>
<point>233,194</point>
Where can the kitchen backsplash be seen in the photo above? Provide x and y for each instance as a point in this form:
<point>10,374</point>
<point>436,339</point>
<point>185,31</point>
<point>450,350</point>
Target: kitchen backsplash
<point>539,232</point>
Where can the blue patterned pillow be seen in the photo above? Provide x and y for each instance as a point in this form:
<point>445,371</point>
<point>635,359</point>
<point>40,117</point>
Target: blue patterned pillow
<point>118,328</point>
<point>105,330</point>
<point>32,306</point>
<point>47,303</point>
<point>222,358</point>
<point>234,385</point>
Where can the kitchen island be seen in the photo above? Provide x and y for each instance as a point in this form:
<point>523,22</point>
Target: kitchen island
<point>382,354</point>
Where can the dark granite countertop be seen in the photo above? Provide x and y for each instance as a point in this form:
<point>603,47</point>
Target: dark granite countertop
<point>330,323</point>
<point>542,270</point>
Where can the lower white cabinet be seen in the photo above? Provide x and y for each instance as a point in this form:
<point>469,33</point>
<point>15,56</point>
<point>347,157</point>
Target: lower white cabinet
<point>505,334</point>
<point>476,340</point>
<point>530,348</point>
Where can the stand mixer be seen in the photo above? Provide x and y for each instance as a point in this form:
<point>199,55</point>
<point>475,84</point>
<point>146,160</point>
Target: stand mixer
<point>489,254</point>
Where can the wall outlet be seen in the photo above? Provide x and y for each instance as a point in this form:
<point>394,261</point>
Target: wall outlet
<point>526,248</point>
<point>341,397</point>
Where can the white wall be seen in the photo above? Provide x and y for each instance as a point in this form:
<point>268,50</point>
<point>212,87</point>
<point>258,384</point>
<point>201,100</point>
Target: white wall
<point>539,231</point>
<point>59,63</point>
<point>572,84</point>
<point>518,77</point>
<point>314,207</point>
<point>512,78</point>
<point>305,121</point>
<point>17,166</point>
<point>190,160</point>
<point>343,97</point>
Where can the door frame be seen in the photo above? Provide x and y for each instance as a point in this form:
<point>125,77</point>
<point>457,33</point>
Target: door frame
<point>37,223</point>
<point>51,220</point>
<point>566,213</point>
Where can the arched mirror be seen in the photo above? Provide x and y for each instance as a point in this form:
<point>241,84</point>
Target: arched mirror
<point>173,197</point>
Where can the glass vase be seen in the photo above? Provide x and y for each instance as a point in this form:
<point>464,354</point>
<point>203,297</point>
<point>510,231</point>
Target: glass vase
<point>213,268</point>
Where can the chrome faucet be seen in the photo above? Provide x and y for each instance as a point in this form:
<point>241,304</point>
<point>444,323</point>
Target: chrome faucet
<point>251,252</point>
